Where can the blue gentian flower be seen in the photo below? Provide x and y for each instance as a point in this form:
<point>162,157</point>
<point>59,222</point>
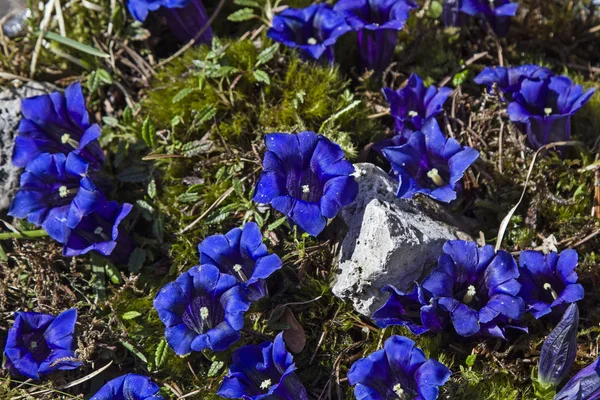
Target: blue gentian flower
<point>495,12</point>
<point>48,186</point>
<point>544,108</point>
<point>429,163</point>
<point>57,123</point>
<point>264,372</point>
<point>397,139</point>
<point>377,23</point>
<point>312,30</point>
<point>241,253</point>
<point>585,385</point>
<point>129,387</point>
<point>185,17</point>
<point>417,310</point>
<point>95,224</point>
<point>549,281</point>
<point>399,371</point>
<point>306,177</point>
<point>477,287</point>
<point>413,104</point>
<point>39,344</point>
<point>508,80</point>
<point>559,350</point>
<point>202,309</point>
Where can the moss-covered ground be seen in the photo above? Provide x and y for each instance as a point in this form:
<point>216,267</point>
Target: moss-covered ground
<point>184,144</point>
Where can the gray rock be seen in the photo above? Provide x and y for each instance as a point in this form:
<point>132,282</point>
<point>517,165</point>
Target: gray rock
<point>387,241</point>
<point>10,115</point>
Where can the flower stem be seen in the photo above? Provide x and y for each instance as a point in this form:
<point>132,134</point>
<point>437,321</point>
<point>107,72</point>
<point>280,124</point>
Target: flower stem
<point>39,233</point>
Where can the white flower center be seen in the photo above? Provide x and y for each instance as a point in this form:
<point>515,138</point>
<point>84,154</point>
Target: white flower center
<point>312,41</point>
<point>64,139</point>
<point>434,175</point>
<point>265,384</point>
<point>471,292</point>
<point>63,191</point>
<point>399,391</point>
<point>305,189</point>
<point>98,230</point>
<point>548,111</point>
<point>204,313</point>
<point>548,287</point>
<point>412,114</point>
<point>237,268</point>
<point>33,345</point>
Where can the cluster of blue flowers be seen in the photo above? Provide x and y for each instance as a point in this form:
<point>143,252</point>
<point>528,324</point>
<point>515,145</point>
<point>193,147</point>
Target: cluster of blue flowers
<point>540,103</point>
<point>314,30</point>
<point>60,188</point>
<point>185,18</point>
<point>483,292</point>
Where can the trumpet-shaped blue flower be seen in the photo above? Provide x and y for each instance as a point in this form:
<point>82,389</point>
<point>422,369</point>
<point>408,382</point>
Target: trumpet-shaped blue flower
<point>417,310</point>
<point>585,385</point>
<point>306,177</point>
<point>399,371</point>
<point>544,108</point>
<point>95,224</point>
<point>415,103</point>
<point>241,253</point>
<point>559,350</point>
<point>377,23</point>
<point>48,186</point>
<point>39,344</point>
<point>477,287</point>
<point>185,17</point>
<point>549,281</point>
<point>129,387</point>
<point>264,372</point>
<point>508,80</point>
<point>429,163</point>
<point>313,30</point>
<point>202,309</point>
<point>496,13</point>
<point>57,123</point>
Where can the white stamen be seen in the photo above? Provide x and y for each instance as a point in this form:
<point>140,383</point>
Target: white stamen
<point>548,287</point>
<point>63,191</point>
<point>237,268</point>
<point>434,175</point>
<point>305,189</point>
<point>64,139</point>
<point>98,230</point>
<point>265,384</point>
<point>412,114</point>
<point>399,391</point>
<point>33,345</point>
<point>204,313</point>
<point>548,111</point>
<point>312,41</point>
<point>471,292</point>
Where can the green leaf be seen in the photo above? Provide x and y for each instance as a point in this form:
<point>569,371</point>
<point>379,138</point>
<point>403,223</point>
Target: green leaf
<point>3,256</point>
<point>237,187</point>
<point>127,116</point>
<point>182,94</point>
<point>435,9</point>
<point>205,114</point>
<point>131,315</point>
<point>104,76</point>
<point>243,14</point>
<point>262,76</point>
<point>135,351</point>
<point>152,189</point>
<point>470,361</point>
<point>460,77</point>
<point>110,121</point>
<point>267,54</point>
<point>160,355</point>
<point>276,224</point>
<point>196,147</point>
<point>215,367</point>
<point>158,228</point>
<point>147,209</point>
<point>75,45</point>
<point>113,274</point>
<point>136,260</point>
<point>188,198</point>
<point>149,132</point>
<point>98,281</point>
<point>247,3</point>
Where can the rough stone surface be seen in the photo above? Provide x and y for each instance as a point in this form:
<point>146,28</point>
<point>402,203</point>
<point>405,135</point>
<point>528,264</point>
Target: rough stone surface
<point>10,114</point>
<point>387,241</point>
